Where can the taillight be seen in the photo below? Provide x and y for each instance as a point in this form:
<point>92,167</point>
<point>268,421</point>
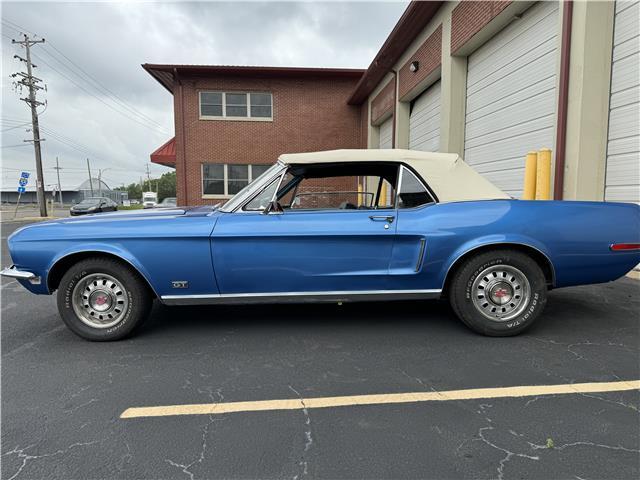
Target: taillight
<point>620,247</point>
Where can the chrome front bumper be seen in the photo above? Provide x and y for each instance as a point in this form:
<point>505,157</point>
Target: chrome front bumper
<point>13,272</point>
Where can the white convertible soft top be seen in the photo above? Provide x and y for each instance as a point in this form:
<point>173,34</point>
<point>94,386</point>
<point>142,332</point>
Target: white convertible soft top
<point>451,179</point>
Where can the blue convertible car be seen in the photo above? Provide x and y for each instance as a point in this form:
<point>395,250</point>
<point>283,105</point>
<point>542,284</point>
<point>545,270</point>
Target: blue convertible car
<point>345,225</point>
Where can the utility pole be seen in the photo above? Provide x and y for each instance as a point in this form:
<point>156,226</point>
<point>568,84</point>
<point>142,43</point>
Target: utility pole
<point>90,180</point>
<point>100,170</point>
<point>57,167</point>
<point>29,81</point>
<point>148,177</point>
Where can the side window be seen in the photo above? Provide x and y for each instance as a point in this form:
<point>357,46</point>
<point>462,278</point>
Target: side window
<point>339,187</point>
<point>412,192</point>
<point>261,200</point>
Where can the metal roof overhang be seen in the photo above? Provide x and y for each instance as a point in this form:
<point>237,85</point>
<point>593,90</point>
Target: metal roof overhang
<point>414,19</point>
<point>165,74</point>
<point>166,154</point>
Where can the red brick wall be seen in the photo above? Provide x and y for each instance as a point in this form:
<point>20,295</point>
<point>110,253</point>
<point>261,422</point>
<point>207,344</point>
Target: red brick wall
<point>470,16</point>
<point>429,56</point>
<point>308,115</point>
<point>364,125</point>
<point>383,103</point>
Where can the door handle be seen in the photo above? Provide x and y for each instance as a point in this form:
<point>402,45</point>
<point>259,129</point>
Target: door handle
<point>382,218</point>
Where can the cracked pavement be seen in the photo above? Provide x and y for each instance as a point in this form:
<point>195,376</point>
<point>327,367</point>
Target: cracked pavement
<point>62,396</point>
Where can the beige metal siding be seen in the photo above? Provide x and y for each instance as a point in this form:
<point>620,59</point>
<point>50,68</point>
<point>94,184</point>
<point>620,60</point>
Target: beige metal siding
<point>424,121</point>
<point>622,182</point>
<point>386,134</point>
<point>511,97</point>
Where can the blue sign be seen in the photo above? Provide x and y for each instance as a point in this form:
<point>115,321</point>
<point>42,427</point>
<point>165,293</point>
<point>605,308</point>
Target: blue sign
<point>21,189</point>
<point>24,179</point>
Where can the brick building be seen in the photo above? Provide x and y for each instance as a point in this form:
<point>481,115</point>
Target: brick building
<point>490,80</point>
<point>233,122</point>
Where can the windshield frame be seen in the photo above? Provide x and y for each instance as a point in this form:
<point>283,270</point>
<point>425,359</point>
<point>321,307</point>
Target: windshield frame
<point>248,192</point>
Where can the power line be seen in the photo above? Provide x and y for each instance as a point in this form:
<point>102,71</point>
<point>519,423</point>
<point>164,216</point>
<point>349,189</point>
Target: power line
<point>92,82</point>
<point>95,96</point>
<point>116,98</point>
<point>13,128</point>
<point>20,29</point>
<point>63,140</point>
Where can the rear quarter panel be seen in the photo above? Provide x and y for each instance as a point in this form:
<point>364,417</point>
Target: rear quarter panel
<point>575,236</point>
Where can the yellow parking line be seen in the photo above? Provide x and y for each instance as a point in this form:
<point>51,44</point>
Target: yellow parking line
<point>379,399</point>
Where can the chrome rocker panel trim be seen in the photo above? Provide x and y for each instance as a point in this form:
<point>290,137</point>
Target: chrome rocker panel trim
<point>300,297</point>
<point>13,272</point>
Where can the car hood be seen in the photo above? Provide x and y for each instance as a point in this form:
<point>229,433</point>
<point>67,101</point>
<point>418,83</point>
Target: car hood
<point>102,220</point>
<point>138,214</point>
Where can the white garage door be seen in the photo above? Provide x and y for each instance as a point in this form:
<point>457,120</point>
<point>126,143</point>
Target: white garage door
<point>511,97</point>
<point>424,121</point>
<point>623,153</point>
<point>386,134</point>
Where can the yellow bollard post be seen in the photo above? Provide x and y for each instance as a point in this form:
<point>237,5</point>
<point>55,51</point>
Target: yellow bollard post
<point>382,201</point>
<point>543,177</point>
<point>530,173</point>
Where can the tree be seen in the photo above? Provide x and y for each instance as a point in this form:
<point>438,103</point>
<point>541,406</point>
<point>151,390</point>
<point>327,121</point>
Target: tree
<point>133,190</point>
<point>165,186</point>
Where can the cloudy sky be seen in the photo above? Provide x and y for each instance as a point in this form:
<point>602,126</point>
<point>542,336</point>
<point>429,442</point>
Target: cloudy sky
<point>102,105</point>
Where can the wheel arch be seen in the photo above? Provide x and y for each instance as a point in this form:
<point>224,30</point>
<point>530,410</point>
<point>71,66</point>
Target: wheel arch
<point>540,257</point>
<point>61,264</point>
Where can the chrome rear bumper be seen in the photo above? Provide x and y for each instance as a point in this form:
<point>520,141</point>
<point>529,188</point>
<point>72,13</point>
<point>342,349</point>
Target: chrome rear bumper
<point>13,272</point>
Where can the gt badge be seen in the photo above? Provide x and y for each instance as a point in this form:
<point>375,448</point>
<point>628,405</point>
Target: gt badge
<point>180,284</point>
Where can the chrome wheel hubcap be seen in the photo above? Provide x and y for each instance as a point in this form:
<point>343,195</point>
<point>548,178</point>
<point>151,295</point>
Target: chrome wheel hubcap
<point>100,300</point>
<point>501,292</point>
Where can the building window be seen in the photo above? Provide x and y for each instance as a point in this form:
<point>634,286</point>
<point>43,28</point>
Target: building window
<point>211,104</point>
<point>223,180</point>
<point>238,178</point>
<point>236,106</point>
<point>261,105</point>
<point>213,179</point>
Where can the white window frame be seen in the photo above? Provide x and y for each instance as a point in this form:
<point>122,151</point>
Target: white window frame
<point>224,116</point>
<point>226,194</point>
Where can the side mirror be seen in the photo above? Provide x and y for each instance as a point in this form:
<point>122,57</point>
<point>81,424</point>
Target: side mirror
<point>273,208</point>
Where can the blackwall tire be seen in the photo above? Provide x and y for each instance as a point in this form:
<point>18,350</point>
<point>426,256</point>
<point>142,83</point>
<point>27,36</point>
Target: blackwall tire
<point>498,293</point>
<point>101,299</point>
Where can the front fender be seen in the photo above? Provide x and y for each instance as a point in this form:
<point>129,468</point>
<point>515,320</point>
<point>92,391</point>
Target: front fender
<point>116,250</point>
<point>497,240</point>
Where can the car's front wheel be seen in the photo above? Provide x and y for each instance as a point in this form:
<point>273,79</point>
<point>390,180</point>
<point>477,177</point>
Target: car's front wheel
<point>498,293</point>
<point>102,299</point>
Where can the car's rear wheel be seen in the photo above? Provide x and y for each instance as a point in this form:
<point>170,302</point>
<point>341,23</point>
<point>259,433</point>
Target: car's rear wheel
<point>102,299</point>
<point>498,293</point>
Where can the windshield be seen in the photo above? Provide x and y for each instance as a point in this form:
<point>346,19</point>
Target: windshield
<point>247,191</point>
<point>89,201</point>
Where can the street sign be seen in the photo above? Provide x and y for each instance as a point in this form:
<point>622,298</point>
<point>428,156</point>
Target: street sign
<point>24,179</point>
<point>22,184</point>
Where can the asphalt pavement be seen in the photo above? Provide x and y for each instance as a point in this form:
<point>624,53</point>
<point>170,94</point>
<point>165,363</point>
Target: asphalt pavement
<point>62,397</point>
